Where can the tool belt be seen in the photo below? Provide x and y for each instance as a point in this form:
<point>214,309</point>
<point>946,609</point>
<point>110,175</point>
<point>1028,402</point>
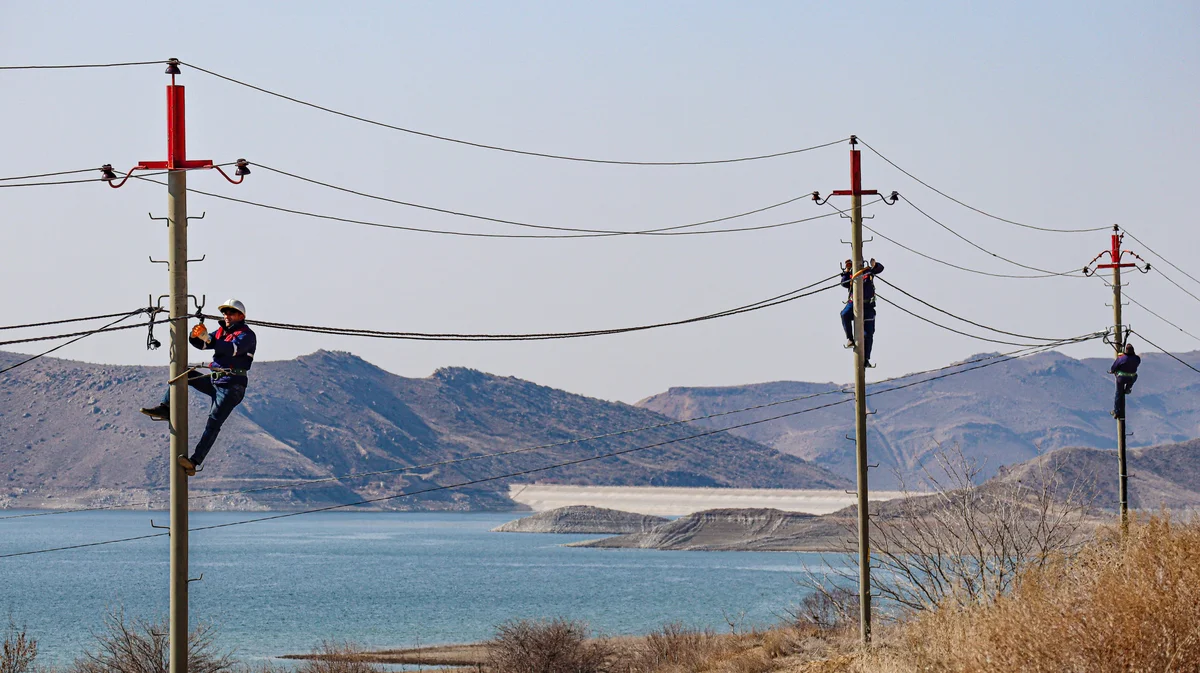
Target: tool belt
<point>218,372</point>
<point>1126,375</point>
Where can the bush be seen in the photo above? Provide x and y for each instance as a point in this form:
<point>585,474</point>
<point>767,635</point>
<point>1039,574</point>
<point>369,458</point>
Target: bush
<point>334,657</point>
<point>140,646</point>
<point>18,651</point>
<point>826,608</point>
<point>676,647</point>
<point>557,646</point>
<point>1117,606</point>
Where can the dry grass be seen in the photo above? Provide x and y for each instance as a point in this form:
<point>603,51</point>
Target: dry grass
<point>337,657</point>
<point>1115,607</point>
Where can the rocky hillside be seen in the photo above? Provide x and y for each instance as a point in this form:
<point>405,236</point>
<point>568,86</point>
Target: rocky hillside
<point>71,432</point>
<point>582,519</point>
<point>1003,414</point>
<point>738,530</point>
<point>1159,476</point>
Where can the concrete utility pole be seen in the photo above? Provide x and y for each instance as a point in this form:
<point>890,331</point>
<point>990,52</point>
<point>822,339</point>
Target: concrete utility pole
<point>1118,343</point>
<point>177,165</point>
<point>856,192</point>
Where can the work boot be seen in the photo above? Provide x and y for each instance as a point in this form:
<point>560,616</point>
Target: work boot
<point>189,468</point>
<point>849,343</point>
<point>160,413</point>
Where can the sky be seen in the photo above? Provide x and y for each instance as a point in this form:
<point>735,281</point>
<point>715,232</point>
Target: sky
<point>1064,115</point>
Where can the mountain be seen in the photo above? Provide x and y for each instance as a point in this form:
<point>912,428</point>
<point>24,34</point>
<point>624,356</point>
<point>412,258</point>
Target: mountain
<point>70,432</point>
<point>1002,414</point>
<point>1159,476</point>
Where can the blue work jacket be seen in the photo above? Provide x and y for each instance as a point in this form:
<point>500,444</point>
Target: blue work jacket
<point>1125,364</point>
<point>234,345</point>
<point>868,282</point>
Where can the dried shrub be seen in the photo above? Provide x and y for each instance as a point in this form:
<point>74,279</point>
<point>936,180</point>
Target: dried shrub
<point>556,646</point>
<point>1116,606</point>
<point>19,651</point>
<point>827,608</point>
<point>337,657</point>
<point>140,646</point>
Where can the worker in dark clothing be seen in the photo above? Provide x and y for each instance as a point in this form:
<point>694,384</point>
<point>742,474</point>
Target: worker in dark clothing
<point>234,344</point>
<point>1125,367</point>
<point>868,273</point>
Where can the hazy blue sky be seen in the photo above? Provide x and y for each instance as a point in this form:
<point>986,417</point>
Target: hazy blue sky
<point>1060,114</point>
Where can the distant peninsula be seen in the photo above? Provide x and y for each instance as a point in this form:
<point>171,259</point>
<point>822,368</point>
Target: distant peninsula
<point>583,519</point>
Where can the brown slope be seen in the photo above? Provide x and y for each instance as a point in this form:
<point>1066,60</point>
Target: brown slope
<point>71,430</point>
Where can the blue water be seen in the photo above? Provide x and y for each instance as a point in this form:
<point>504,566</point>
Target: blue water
<point>378,579</point>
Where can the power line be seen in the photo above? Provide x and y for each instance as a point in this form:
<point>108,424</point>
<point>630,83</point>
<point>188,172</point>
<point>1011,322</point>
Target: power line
<point>472,234</point>
<point>951,329</point>
<point>486,218</point>
<point>799,293</point>
<point>520,473</point>
<point>983,249</point>
<point>85,333</point>
<point>81,335</point>
<point>49,175</point>
<point>951,264</point>
<point>509,150</point>
<point>970,207</point>
<point>1156,254</point>
<point>1165,351</point>
<point>958,317</point>
<point>78,65</point>
<point>68,320</point>
<point>1147,310</point>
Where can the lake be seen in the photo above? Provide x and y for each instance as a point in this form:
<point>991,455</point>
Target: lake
<point>377,579</point>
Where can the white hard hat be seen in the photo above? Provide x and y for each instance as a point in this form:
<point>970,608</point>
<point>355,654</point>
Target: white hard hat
<point>233,304</point>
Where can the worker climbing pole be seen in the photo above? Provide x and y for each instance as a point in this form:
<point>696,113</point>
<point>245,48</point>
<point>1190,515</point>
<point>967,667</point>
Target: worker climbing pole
<point>1126,364</point>
<point>177,165</point>
<point>857,274</point>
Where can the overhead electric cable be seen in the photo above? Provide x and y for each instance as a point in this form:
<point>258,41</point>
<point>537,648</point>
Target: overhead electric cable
<point>1165,351</point>
<point>799,293</point>
<point>81,335</point>
<point>85,333</point>
<point>472,234</point>
<point>1156,254</point>
<point>527,471</point>
<point>1147,310</point>
<point>78,65</point>
<point>49,175</point>
<point>983,249</point>
<point>951,329</point>
<point>517,223</point>
<point>958,317</point>
<point>498,148</point>
<point>970,207</point>
<point>951,264</point>
<point>68,320</point>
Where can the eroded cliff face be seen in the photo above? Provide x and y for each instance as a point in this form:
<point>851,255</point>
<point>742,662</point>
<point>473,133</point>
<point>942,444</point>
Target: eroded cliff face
<point>736,529</point>
<point>583,519</point>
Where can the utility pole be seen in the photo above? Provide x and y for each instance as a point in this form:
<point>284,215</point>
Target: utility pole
<point>1118,344</point>
<point>177,165</point>
<point>856,192</point>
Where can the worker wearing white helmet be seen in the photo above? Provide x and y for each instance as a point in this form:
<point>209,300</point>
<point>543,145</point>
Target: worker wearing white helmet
<point>233,344</point>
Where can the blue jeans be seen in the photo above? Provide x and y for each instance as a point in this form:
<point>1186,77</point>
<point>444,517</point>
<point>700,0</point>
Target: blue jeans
<point>224,400</point>
<point>1124,387</point>
<point>868,326</point>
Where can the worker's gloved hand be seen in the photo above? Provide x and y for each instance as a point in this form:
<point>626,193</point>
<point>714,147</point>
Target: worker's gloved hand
<point>201,332</point>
